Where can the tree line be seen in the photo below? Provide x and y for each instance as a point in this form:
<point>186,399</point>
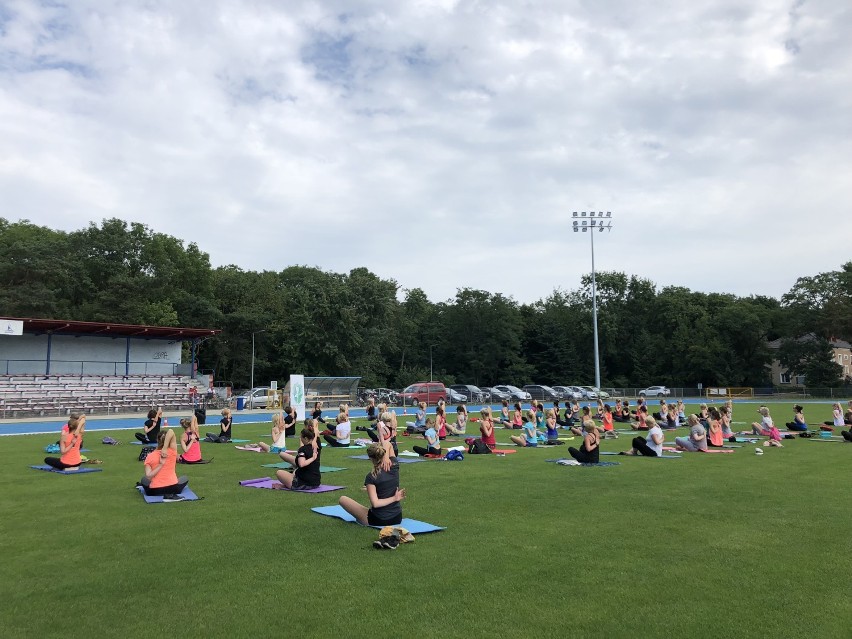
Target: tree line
<point>358,324</point>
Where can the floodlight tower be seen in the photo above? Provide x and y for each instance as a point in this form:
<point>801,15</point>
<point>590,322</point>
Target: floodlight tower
<point>590,223</point>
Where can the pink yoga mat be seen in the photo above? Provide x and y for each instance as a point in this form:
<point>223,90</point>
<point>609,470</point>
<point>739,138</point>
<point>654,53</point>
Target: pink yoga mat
<point>266,482</point>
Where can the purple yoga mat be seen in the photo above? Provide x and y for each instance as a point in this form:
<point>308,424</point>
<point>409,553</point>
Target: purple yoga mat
<point>266,482</point>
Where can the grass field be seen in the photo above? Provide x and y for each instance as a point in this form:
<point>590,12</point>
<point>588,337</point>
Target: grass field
<point>704,546</point>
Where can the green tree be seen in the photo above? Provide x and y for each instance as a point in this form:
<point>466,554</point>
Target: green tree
<point>813,357</point>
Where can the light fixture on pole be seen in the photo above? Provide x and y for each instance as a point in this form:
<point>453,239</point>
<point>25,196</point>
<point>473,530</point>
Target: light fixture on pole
<point>252,360</point>
<point>592,222</point>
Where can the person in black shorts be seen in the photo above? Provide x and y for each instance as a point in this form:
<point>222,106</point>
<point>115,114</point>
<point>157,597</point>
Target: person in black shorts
<point>383,491</point>
<point>307,474</point>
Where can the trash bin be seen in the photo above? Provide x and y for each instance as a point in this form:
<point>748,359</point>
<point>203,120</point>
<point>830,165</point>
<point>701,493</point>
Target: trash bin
<point>201,415</point>
<point>241,403</point>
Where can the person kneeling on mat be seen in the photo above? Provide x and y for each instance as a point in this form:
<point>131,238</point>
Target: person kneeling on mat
<point>69,445</point>
<point>160,477</point>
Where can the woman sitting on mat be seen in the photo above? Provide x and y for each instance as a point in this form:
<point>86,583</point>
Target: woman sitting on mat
<point>552,428</point>
<point>383,491</point>
<point>670,420</point>
<point>518,417</point>
<point>151,427</point>
<point>608,423</point>
<point>307,462</point>
<point>663,412</point>
<point>715,437</point>
<point>697,440</point>
<point>569,417</point>
<point>651,447</point>
<point>622,412</point>
<point>766,424</point>
<point>279,436</point>
<point>419,423</point>
<point>703,415</point>
<point>504,414</point>
<point>317,414</point>
<point>727,433</point>
<point>433,442</point>
<point>798,424</point>
<point>486,428</point>
<point>224,435</point>
<point>641,423</point>
<point>589,452</point>
<point>461,421</point>
<point>342,433</point>
<point>160,477</point>
<point>189,442</point>
<point>681,412</point>
<point>371,415</point>
<point>69,445</point>
<point>529,438</point>
<point>837,422</point>
<point>441,422</point>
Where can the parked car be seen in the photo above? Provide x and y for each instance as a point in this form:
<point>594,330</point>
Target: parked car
<point>655,391</point>
<point>568,392</point>
<point>429,392</point>
<point>474,393</point>
<point>514,392</point>
<point>255,398</point>
<point>455,397</point>
<point>593,392</point>
<point>541,392</point>
<point>494,395</point>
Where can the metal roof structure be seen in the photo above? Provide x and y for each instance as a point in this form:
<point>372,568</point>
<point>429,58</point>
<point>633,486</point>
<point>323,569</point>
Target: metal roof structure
<point>35,326</point>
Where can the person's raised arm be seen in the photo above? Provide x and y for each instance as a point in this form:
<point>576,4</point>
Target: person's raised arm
<point>657,438</point>
<point>67,441</point>
<point>375,502</point>
<point>301,462</point>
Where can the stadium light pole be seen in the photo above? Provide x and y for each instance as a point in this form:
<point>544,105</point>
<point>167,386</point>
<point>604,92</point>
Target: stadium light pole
<point>590,223</point>
<point>252,356</point>
<point>430,360</point>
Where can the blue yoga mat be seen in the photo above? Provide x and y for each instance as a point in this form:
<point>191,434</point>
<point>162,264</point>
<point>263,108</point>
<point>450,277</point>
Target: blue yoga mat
<point>51,469</point>
<point>186,493</point>
<point>584,463</point>
<point>401,460</point>
<point>413,526</point>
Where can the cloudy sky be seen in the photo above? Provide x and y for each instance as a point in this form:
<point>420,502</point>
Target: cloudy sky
<point>443,143</point>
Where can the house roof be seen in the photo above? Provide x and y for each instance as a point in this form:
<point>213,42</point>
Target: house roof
<point>835,343</point>
<point>35,326</point>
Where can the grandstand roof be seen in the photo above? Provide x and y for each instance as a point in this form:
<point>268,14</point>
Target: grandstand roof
<point>112,329</point>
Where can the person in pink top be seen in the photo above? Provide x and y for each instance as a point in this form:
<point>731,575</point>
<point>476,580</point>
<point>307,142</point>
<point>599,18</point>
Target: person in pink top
<point>486,428</point>
<point>441,423</point>
<point>69,445</point>
<point>160,476</point>
<point>190,442</point>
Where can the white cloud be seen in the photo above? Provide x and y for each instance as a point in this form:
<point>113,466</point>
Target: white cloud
<point>443,144</point>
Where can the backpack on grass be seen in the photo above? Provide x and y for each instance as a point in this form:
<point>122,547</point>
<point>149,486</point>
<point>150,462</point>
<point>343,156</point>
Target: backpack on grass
<point>146,450</point>
<point>454,455</point>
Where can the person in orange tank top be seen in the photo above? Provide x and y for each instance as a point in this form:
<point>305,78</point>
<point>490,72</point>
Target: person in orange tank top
<point>69,445</point>
<point>160,477</point>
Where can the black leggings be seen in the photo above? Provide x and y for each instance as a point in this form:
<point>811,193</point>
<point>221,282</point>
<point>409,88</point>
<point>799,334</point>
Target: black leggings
<point>332,441</point>
<point>216,439</point>
<point>58,464</point>
<point>640,445</point>
<point>174,489</point>
<point>373,435</point>
<point>847,435</point>
<point>142,437</point>
<point>583,456</point>
<point>420,450</point>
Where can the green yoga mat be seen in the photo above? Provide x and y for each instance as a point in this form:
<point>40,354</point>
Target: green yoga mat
<point>285,466</point>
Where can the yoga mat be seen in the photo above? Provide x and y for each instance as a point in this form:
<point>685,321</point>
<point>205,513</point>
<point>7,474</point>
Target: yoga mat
<point>266,482</point>
<point>716,450</point>
<point>747,440</point>
<point>401,460</point>
<point>285,466</point>
<point>407,453</point>
<point>413,526</point>
<point>820,439</point>
<point>606,452</point>
<point>251,450</point>
<point>51,469</point>
<point>583,463</point>
<point>186,494</point>
<point>504,451</point>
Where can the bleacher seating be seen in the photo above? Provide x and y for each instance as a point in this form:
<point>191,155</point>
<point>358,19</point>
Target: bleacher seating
<point>39,395</point>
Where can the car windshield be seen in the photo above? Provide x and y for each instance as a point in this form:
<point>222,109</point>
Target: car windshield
<point>548,388</point>
<point>514,389</point>
<point>410,389</point>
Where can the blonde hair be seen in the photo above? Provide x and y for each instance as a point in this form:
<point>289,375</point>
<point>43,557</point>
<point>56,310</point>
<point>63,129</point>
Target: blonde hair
<point>386,417</point>
<point>226,412</point>
<point>486,412</point>
<point>650,422</point>
<point>589,425</point>
<point>693,420</point>
<point>376,453</point>
<point>763,411</point>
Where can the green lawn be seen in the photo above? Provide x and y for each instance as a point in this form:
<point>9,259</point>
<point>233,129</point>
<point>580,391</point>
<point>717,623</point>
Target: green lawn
<point>705,546</point>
